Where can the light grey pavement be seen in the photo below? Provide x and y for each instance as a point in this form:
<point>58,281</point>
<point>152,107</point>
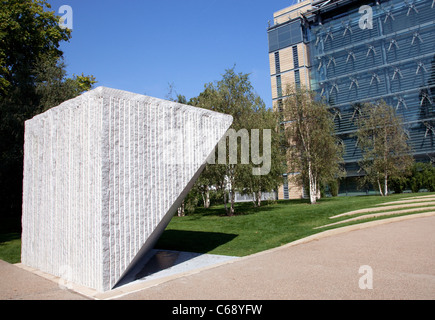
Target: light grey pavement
<point>19,284</point>
<point>400,252</point>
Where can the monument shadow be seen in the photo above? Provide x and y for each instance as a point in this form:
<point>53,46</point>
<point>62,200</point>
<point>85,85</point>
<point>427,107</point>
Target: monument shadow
<point>193,241</point>
<point>176,247</point>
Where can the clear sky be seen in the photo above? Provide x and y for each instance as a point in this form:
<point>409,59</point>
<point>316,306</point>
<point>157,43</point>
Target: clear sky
<point>143,45</point>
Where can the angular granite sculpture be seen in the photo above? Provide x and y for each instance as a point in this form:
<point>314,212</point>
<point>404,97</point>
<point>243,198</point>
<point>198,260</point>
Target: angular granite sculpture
<point>103,175</point>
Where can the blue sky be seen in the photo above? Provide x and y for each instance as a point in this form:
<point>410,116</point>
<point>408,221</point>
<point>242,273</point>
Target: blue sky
<point>142,45</point>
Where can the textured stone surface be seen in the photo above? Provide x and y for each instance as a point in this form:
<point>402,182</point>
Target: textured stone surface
<point>103,176</point>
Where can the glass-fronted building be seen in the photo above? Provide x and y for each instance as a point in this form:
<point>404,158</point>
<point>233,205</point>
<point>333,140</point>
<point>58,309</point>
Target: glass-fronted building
<point>363,51</point>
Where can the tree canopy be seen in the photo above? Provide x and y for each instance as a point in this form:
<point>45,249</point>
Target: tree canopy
<point>234,95</point>
<point>384,145</point>
<point>32,80</point>
<point>315,154</point>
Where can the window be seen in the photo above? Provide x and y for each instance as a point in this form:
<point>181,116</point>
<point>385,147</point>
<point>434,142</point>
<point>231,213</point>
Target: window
<point>285,36</point>
<point>297,79</point>
<point>277,63</point>
<point>295,57</point>
<point>285,187</point>
<point>280,106</point>
<point>279,86</point>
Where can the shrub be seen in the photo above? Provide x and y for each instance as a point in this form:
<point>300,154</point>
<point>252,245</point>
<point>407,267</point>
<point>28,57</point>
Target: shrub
<point>334,187</point>
<point>422,177</point>
<point>399,184</point>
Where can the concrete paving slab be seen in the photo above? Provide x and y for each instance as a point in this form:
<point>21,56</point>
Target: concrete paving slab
<point>165,266</point>
<point>167,263</point>
<point>19,284</point>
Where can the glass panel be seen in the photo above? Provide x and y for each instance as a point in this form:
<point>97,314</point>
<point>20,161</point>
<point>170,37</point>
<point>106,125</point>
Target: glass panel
<point>296,32</point>
<point>277,63</point>
<point>394,61</point>
<point>279,86</point>
<point>297,79</point>
<point>273,41</point>
<point>285,36</point>
<point>295,57</point>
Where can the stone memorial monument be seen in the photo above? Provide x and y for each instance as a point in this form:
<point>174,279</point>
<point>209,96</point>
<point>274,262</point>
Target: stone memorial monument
<point>103,175</point>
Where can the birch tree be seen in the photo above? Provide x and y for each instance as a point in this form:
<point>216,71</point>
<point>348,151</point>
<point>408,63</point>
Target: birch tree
<point>384,145</point>
<point>261,121</point>
<point>314,151</point>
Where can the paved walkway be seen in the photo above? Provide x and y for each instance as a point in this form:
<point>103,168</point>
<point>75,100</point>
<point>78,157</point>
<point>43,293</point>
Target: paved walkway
<point>18,284</point>
<point>400,253</point>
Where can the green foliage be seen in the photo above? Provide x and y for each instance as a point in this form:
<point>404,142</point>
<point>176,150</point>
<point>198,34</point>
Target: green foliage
<point>28,32</point>
<point>334,186</point>
<point>384,145</point>
<point>234,95</point>
<point>247,182</point>
<point>218,183</point>
<point>32,80</point>
<point>53,87</point>
<point>399,184</point>
<point>83,83</point>
<point>422,177</point>
<point>315,151</point>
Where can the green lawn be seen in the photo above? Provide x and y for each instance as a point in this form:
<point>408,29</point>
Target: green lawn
<point>10,240</point>
<point>251,230</point>
<point>258,229</point>
<point>10,247</point>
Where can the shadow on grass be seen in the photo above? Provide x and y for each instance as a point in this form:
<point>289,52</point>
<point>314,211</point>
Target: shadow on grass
<point>8,237</point>
<point>240,208</point>
<point>193,241</point>
<point>10,247</point>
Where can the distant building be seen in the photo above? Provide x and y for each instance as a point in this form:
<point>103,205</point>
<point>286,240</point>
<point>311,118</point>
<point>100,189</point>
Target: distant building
<point>351,52</point>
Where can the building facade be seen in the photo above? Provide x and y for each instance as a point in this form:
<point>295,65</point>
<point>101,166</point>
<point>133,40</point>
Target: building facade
<point>352,52</point>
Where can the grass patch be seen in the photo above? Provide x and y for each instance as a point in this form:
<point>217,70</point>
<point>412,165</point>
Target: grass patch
<point>10,239</point>
<point>252,230</point>
<point>10,247</point>
<point>257,229</point>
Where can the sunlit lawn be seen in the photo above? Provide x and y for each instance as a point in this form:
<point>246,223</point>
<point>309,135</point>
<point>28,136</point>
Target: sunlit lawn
<point>258,229</point>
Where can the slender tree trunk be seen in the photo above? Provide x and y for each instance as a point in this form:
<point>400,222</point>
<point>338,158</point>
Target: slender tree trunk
<point>254,199</point>
<point>318,194</point>
<point>232,200</point>
<point>259,199</point>
<point>231,175</point>
<point>312,182</point>
<point>181,212</point>
<point>225,201</point>
<point>385,158</point>
<point>380,188</point>
<point>386,185</point>
<point>207,198</point>
<point>203,199</point>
